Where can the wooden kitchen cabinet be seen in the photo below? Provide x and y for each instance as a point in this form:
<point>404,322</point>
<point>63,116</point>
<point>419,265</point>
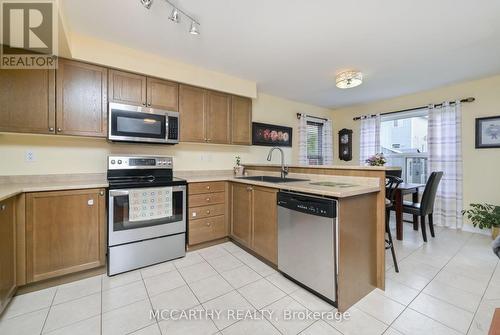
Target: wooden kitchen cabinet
<point>7,252</point>
<point>192,109</point>
<point>254,219</point>
<point>241,120</point>
<point>135,89</point>
<point>81,105</point>
<point>264,222</point>
<point>218,117</point>
<point>162,94</point>
<point>127,88</point>
<point>65,232</point>
<point>241,213</point>
<point>27,101</point>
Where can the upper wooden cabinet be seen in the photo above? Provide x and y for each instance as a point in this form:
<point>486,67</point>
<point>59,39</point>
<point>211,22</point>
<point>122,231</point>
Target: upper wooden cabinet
<point>213,117</point>
<point>192,109</point>
<point>27,101</point>
<point>7,252</point>
<point>241,120</point>
<point>163,94</point>
<point>127,88</point>
<point>134,89</point>
<point>81,103</point>
<point>64,232</point>
<point>218,117</point>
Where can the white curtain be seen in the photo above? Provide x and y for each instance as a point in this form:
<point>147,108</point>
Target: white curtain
<point>445,154</point>
<point>303,140</point>
<point>327,142</point>
<point>369,141</point>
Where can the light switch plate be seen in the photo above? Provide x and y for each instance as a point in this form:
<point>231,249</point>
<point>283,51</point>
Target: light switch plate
<point>30,156</point>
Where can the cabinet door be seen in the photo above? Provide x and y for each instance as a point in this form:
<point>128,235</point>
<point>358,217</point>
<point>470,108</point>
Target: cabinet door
<point>163,94</point>
<point>7,252</point>
<point>27,101</point>
<point>192,110</point>
<point>218,114</point>
<point>127,88</point>
<point>81,107</point>
<point>265,222</point>
<point>241,120</point>
<point>64,232</point>
<point>241,213</point>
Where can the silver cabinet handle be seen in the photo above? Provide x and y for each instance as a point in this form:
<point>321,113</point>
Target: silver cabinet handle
<point>149,105</point>
<point>208,211</point>
<point>208,224</point>
<point>249,188</point>
<point>51,129</point>
<point>59,130</point>
<point>101,193</point>
<point>3,207</point>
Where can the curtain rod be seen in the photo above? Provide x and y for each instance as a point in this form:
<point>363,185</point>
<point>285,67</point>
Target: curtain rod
<point>299,115</point>
<point>470,99</point>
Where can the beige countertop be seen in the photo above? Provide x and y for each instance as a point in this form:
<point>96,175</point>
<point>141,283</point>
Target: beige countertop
<point>357,185</point>
<point>332,167</point>
<point>14,185</point>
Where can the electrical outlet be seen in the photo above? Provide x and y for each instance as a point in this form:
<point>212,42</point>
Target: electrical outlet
<point>30,156</point>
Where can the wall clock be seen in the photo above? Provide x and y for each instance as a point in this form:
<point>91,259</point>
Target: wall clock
<point>345,144</point>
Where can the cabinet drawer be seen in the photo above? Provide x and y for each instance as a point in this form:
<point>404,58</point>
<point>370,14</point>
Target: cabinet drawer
<point>209,187</point>
<point>206,211</point>
<point>203,230</point>
<point>206,199</point>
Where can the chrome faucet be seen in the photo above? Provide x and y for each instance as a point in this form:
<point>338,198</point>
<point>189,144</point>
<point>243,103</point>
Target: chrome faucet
<point>284,169</point>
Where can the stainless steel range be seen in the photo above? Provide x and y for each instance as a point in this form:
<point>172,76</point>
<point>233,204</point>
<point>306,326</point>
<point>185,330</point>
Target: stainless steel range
<point>146,212</point>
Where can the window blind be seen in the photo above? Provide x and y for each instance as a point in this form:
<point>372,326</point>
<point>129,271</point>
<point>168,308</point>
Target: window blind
<point>315,143</point>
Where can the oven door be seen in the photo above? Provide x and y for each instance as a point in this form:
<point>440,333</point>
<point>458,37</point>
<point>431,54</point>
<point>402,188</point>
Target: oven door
<point>121,230</point>
<point>137,124</point>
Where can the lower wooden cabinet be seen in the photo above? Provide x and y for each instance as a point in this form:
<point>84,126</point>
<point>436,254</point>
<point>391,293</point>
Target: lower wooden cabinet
<point>7,252</point>
<point>207,220</point>
<point>254,219</point>
<point>65,232</point>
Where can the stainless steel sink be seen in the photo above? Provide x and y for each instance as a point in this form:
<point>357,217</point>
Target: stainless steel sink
<point>272,179</point>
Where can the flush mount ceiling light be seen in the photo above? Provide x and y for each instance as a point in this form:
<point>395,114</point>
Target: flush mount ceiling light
<point>349,79</point>
<point>175,16</point>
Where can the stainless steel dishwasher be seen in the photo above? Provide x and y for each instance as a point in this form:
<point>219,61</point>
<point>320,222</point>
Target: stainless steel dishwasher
<point>307,242</point>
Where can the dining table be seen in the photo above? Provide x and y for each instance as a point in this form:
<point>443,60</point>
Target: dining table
<point>402,190</point>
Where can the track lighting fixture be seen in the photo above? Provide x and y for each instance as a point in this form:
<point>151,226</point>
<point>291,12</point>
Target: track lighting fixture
<point>175,16</point>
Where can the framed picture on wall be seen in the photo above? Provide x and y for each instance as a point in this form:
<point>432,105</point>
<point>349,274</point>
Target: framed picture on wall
<point>488,132</point>
<point>271,135</point>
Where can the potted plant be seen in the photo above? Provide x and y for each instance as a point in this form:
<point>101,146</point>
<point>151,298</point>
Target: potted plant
<point>484,216</point>
<point>238,169</point>
<point>376,160</point>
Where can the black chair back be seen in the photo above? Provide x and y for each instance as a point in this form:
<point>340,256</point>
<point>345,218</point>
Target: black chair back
<point>391,184</point>
<point>429,196</point>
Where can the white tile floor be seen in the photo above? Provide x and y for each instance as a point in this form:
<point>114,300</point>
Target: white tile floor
<point>451,285</point>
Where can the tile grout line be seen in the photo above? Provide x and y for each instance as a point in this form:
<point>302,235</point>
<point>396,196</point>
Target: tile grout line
<point>150,303</point>
<point>48,312</point>
<point>421,291</point>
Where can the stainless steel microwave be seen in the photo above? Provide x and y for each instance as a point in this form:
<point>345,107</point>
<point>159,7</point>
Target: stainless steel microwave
<point>130,123</point>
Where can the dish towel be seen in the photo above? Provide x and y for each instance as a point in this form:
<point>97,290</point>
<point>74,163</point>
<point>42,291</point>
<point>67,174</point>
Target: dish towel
<point>150,203</point>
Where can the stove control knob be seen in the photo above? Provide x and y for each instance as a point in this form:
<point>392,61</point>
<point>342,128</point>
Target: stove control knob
<point>119,161</point>
<point>113,161</point>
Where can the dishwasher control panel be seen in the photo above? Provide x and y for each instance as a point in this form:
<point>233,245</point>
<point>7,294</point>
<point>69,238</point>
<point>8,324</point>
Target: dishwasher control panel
<point>308,204</point>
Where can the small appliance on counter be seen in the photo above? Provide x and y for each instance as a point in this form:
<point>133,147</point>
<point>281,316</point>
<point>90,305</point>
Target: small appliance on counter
<point>130,123</point>
<point>146,212</point>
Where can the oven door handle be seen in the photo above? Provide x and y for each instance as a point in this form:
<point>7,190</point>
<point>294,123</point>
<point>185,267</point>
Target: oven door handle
<point>116,193</point>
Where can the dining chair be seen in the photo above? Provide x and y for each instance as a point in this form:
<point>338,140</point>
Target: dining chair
<point>426,206</point>
<point>391,184</point>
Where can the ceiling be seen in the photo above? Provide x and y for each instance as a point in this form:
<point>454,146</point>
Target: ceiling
<point>293,49</point>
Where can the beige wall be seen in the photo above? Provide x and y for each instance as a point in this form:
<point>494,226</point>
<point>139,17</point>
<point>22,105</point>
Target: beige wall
<point>481,167</point>
<point>66,154</point>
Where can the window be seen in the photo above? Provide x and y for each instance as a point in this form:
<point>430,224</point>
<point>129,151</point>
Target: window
<point>314,143</point>
<point>403,140</point>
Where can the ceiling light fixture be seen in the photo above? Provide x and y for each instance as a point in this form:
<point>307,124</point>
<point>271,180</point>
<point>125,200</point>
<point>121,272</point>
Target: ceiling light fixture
<point>175,16</point>
<point>194,30</point>
<point>349,79</point>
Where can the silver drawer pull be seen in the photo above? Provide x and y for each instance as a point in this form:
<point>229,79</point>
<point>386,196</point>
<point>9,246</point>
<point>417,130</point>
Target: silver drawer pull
<point>3,207</point>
